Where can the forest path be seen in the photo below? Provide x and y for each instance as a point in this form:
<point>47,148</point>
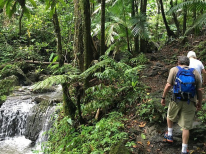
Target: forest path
<point>149,136</point>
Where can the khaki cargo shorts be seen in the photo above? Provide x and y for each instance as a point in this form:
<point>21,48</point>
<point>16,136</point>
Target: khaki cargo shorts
<point>183,112</point>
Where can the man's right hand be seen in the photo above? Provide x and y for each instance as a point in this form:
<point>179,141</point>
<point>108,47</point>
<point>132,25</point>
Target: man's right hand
<point>199,106</point>
<point>163,102</point>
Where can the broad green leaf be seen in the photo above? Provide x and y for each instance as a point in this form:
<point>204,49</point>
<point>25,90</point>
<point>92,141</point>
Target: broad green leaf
<point>62,2</point>
<point>8,5</point>
<point>143,136</point>
<point>2,3</point>
<point>26,12</point>
<point>51,56</point>
<point>70,121</point>
<point>33,3</point>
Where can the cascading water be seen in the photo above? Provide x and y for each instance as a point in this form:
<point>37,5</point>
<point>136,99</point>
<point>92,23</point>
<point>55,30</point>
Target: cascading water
<point>22,123</point>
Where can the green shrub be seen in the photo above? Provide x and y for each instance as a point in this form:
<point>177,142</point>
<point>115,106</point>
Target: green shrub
<point>150,109</point>
<point>99,138</point>
<point>141,59</point>
<point>119,86</point>
<point>6,87</point>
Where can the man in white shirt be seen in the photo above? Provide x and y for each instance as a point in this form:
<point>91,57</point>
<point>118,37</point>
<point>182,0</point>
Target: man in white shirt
<point>197,64</point>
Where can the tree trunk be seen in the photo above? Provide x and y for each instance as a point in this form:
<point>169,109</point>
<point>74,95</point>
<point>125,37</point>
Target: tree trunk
<point>102,50</point>
<point>170,33</point>
<point>58,38</point>
<point>79,94</point>
<point>78,37</point>
<point>20,19</point>
<point>157,22</point>
<point>22,4</point>
<point>126,28</point>
<point>88,54</point>
<point>68,106</point>
<point>184,18</point>
<point>175,19</point>
<point>143,41</point>
<point>136,40</point>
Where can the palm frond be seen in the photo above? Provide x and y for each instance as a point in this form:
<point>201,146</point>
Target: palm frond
<point>199,22</point>
<point>33,3</point>
<point>2,3</point>
<point>198,4</point>
<point>139,25</point>
<point>110,32</point>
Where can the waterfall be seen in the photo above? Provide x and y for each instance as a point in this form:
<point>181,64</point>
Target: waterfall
<point>23,120</point>
<point>13,115</point>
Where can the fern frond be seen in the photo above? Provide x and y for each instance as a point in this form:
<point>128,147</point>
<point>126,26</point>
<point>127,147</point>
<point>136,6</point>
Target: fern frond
<point>49,82</point>
<point>60,79</point>
<point>95,67</point>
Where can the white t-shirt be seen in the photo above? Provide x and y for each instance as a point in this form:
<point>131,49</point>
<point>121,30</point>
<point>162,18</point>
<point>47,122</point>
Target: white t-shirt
<point>194,63</point>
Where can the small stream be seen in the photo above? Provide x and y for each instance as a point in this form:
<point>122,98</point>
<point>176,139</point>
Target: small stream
<point>17,128</point>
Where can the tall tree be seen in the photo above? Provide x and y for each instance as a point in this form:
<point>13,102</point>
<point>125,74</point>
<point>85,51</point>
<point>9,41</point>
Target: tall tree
<point>143,41</point>
<point>78,37</point>
<point>175,19</point>
<point>157,21</point>
<point>58,38</point>
<point>88,52</point>
<point>184,18</point>
<point>102,50</point>
<point>136,38</point>
<point>11,7</point>
<point>68,106</point>
<point>170,33</point>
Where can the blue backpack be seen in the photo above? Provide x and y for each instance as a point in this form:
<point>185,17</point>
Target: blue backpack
<point>184,87</point>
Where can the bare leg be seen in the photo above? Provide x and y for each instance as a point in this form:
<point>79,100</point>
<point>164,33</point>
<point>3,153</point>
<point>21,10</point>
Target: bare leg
<point>185,136</point>
<point>169,123</point>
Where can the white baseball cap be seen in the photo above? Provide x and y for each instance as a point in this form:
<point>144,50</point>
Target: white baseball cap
<point>191,54</point>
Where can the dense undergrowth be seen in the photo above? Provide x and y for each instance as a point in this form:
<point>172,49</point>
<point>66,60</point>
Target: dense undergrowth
<point>98,138</point>
<point>115,89</point>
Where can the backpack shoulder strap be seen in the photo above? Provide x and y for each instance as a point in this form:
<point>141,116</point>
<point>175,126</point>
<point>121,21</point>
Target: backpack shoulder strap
<point>179,68</point>
<point>191,69</point>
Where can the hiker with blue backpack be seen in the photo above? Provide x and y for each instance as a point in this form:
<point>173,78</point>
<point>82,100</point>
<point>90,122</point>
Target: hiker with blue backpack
<point>197,64</point>
<point>186,99</point>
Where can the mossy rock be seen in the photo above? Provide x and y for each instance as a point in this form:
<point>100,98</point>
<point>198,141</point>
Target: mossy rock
<point>7,86</point>
<point>119,148</point>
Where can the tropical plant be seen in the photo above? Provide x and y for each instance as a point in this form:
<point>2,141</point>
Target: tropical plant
<point>12,6</point>
<point>86,139</point>
<point>198,6</point>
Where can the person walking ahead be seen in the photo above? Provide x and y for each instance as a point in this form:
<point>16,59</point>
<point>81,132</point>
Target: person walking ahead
<point>181,106</point>
<point>197,64</point>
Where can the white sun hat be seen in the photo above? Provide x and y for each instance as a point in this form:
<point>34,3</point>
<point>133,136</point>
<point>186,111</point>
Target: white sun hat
<point>191,54</point>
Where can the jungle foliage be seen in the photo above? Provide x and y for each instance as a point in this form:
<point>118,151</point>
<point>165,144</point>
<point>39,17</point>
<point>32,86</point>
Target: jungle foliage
<point>90,118</point>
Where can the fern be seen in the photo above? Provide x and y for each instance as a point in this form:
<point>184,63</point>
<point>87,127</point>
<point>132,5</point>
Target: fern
<point>70,77</point>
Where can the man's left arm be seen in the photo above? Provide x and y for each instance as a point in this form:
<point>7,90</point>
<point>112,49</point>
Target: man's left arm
<point>204,76</point>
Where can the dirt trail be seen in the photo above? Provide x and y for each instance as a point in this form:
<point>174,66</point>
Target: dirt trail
<point>154,143</point>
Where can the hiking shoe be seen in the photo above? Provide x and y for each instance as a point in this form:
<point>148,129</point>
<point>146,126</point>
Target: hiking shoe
<point>169,138</point>
<point>185,152</point>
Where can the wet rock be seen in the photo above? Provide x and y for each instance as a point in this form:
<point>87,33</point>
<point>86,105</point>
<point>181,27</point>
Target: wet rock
<point>36,120</point>
<point>119,148</point>
<point>33,76</point>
